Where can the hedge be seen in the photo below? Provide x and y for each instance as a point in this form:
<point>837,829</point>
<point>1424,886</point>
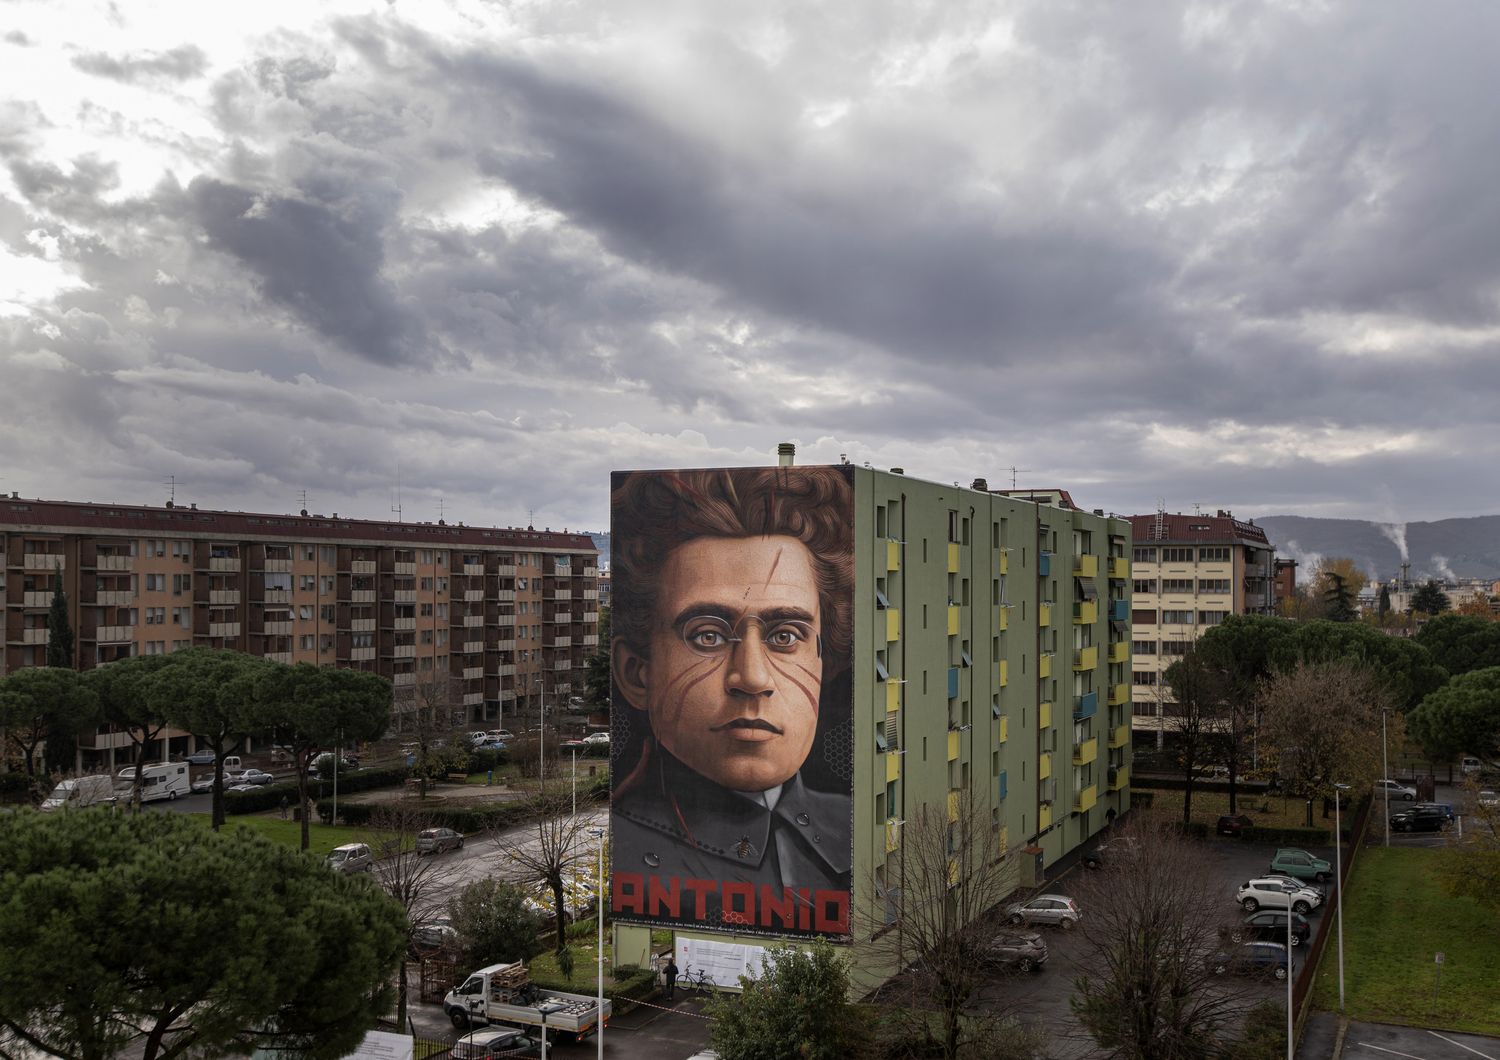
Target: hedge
<point>1292,837</point>
<point>465,819</point>
<point>635,987</point>
<point>270,796</point>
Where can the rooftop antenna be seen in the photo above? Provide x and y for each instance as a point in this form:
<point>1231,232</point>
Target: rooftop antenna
<point>304,499</point>
<point>1014,471</point>
<point>440,509</point>
<point>1159,529</point>
<point>396,502</point>
<point>171,484</point>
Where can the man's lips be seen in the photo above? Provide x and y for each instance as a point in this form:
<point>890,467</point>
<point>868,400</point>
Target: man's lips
<point>750,730</point>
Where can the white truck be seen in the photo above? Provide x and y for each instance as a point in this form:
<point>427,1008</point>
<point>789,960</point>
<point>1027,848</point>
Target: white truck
<point>80,791</point>
<point>162,780</point>
<point>502,993</point>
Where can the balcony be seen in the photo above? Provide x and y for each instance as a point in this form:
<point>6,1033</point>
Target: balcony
<point>1086,658</point>
<point>1085,612</point>
<point>953,622</point>
<point>507,695</point>
<point>591,618</point>
<point>362,566</point>
<point>563,664</point>
<point>224,564</point>
<point>1044,666</point>
<point>404,568</point>
<point>590,640</point>
<point>278,657</point>
<point>505,645</point>
<point>277,566</point>
<point>223,629</point>
<point>476,570</point>
<point>1002,561</point>
<point>954,804</point>
<point>1086,752</point>
<point>361,654</point>
<point>1119,695</point>
<point>44,561</point>
<point>1085,799</point>
<point>1119,777</point>
<point>560,618</point>
<point>471,647</point>
<point>34,636</point>
<point>37,600</point>
<point>589,594</point>
<point>1119,611</point>
<point>1119,652</point>
<point>278,596</point>
<point>1004,729</point>
<point>112,634</point>
<point>1085,706</point>
<point>560,594</point>
<point>404,623</point>
<point>362,596</point>
<point>473,596</point>
<point>113,562</point>
<point>473,620</point>
<point>1044,614</point>
<point>506,670</point>
<point>1044,765</point>
<point>952,557</point>
<point>401,680</point>
<point>892,624</point>
<point>1044,565</point>
<point>1119,737</point>
<point>404,596</point>
<point>114,597</point>
<point>953,745</point>
<point>404,651</point>
<point>557,642</point>
<point>1043,818</point>
<point>473,699</point>
<point>1086,566</point>
<point>1002,618</point>
<point>892,555</point>
<point>504,596</point>
<point>1002,673</point>
<point>362,625</point>
<point>1119,567</point>
<point>504,620</point>
<point>277,629</point>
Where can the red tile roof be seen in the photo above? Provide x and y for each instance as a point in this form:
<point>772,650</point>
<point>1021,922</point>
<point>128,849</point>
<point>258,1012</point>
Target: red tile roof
<point>1209,528</point>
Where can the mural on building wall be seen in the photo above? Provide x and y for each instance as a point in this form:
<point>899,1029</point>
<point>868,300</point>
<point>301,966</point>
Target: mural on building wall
<point>732,711</point>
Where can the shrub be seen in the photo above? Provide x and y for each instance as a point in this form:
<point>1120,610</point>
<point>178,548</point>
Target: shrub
<point>465,819</point>
<point>270,796</point>
<point>632,983</point>
<point>483,761</point>
<point>1292,837</point>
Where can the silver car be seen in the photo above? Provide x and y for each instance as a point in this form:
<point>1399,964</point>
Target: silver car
<point>1053,910</point>
<point>437,840</point>
<point>351,857</point>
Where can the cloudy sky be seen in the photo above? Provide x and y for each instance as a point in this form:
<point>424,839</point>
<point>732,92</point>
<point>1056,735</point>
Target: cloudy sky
<point>1231,255</point>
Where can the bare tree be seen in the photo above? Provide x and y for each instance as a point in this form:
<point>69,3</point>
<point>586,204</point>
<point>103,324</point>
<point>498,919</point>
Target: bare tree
<point>415,882</point>
<point>424,711</point>
<point>937,898</point>
<point>551,851</point>
<point>1470,867</point>
<point>1146,988</point>
<point>1322,724</point>
<point>1197,713</point>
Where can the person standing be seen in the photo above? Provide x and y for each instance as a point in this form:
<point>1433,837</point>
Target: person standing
<point>670,974</point>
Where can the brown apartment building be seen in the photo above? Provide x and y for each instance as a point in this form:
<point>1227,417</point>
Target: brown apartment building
<point>496,621</point>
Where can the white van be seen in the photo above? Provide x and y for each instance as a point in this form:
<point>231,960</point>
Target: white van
<point>1470,764</point>
<point>163,780</point>
<point>80,791</point>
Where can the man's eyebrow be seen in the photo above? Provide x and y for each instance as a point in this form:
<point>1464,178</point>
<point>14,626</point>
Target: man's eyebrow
<point>731,616</point>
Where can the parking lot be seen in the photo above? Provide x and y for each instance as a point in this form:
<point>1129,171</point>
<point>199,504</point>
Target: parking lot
<point>1379,1041</point>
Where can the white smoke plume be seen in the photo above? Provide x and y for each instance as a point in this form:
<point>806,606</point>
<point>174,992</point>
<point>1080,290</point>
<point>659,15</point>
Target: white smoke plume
<point>1396,532</point>
<point>1440,563</point>
<point>1307,562</point>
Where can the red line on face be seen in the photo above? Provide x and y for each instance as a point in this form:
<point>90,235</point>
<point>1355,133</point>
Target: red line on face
<point>775,562</point>
<point>784,670</point>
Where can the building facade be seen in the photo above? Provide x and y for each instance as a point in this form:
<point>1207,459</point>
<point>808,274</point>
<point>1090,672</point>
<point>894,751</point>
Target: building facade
<point>1190,572</point>
<point>989,658</point>
<point>491,620</point>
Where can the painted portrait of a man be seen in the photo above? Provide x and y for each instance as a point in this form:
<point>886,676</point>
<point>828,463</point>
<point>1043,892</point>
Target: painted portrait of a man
<point>730,647</point>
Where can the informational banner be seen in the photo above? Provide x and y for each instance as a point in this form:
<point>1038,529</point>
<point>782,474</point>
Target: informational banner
<point>383,1045</point>
<point>723,962</point>
<point>732,771</point>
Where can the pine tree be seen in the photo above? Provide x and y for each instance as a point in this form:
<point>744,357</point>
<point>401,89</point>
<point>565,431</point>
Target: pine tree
<point>1430,598</point>
<point>1385,601</point>
<point>1337,597</point>
<point>59,629</point>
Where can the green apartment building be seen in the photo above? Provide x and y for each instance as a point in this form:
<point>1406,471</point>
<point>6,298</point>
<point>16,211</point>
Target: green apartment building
<point>988,652</point>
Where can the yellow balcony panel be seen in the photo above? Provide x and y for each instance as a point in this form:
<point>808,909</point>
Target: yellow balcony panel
<point>952,872</point>
<point>952,621</point>
<point>892,696</point>
<point>1044,716</point>
<point>892,555</point>
<point>952,745</point>
<point>1044,665</point>
<point>1085,612</point>
<point>1119,695</point>
<point>1086,566</point>
<point>1085,799</point>
<point>1002,840</point>
<point>1043,818</point>
<point>953,800</point>
<point>1002,674</point>
<point>1086,752</point>
<point>1119,737</point>
<point>952,557</point>
<point>892,767</point>
<point>1002,618</point>
<point>1002,562</point>
<point>892,837</point>
<point>1004,727</point>
<point>1119,567</point>
<point>893,624</point>
<point>1119,777</point>
<point>1119,651</point>
<point>1044,766</point>
<point>1086,658</point>
<point>1044,614</point>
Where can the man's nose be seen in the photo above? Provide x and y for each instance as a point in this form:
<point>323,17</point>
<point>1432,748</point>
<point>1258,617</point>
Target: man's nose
<point>749,669</point>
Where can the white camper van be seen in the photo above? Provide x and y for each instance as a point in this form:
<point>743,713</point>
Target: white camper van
<point>163,780</point>
<point>79,791</point>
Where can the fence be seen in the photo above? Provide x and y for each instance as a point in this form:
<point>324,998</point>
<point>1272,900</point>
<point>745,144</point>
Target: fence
<point>1302,988</point>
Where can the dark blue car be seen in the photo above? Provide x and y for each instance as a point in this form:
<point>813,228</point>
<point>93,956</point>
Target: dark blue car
<point>1253,958</point>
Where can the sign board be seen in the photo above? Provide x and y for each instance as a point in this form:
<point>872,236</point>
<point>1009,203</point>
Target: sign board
<point>724,962</point>
<point>383,1045</point>
<point>1439,958</point>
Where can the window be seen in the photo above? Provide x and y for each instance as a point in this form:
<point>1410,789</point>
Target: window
<point>1177,555</point>
<point>1143,678</point>
<point>1212,618</point>
<point>442,584</point>
<point>1213,585</point>
<point>1214,554</point>
<point>424,556</point>
<point>326,555</point>
<point>1144,585</point>
<point>181,583</point>
<point>307,582</point>
<point>325,613</point>
<point>1174,647</point>
<point>1143,555</point>
<point>425,585</point>
<point>442,637</point>
<point>156,647</point>
<point>1179,618</point>
<point>308,552</point>
<point>426,636</point>
<point>1143,647</point>
<point>304,612</point>
<point>325,585</point>
<point>426,610</point>
<point>1177,585</point>
<point>1143,617</point>
<point>442,610</point>
<point>305,642</point>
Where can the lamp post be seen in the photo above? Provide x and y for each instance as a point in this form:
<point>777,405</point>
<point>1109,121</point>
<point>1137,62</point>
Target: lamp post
<point>598,834</point>
<point>1290,890</point>
<point>1385,785</point>
<point>541,732</point>
<point>575,782</point>
<point>1338,878</point>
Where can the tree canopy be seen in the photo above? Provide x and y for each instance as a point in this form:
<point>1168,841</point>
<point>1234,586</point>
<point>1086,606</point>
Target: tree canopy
<point>122,690</point>
<point>148,932</point>
<point>38,702</point>
<point>1430,598</point>
<point>1400,665</point>
<point>798,1007</point>
<point>60,639</point>
<point>209,692</point>
<point>1461,643</point>
<point>494,923</point>
<point>1462,716</point>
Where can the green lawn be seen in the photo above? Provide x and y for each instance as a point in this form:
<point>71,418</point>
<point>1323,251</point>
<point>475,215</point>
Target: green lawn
<point>1209,805</point>
<point>1396,919</point>
<point>322,837</point>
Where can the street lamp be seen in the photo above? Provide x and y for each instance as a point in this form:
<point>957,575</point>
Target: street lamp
<point>1290,889</point>
<point>1338,878</point>
<point>575,782</point>
<point>541,732</point>
<point>1385,785</point>
<point>598,834</point>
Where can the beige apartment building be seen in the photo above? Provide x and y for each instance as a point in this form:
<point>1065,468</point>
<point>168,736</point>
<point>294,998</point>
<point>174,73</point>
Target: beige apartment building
<point>492,620</point>
<point>1189,572</point>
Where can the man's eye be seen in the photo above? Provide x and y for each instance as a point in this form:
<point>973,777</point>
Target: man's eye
<point>785,637</point>
<point>707,638</point>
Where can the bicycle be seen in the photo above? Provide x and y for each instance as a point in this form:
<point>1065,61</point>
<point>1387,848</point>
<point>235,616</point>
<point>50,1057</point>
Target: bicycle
<point>698,981</point>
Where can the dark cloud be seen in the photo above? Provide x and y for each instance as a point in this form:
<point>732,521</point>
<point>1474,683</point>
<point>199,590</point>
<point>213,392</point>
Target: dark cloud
<point>16,37</point>
<point>182,63</point>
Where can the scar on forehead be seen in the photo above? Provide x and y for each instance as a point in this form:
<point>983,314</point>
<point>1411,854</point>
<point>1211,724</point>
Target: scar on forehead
<point>775,562</point>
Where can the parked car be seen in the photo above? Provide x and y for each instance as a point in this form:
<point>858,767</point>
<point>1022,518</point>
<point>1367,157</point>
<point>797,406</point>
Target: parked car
<point>1237,825</point>
<point>1054,910</point>
<point>1272,894</point>
<point>594,739</point>
<point>1419,819</point>
<point>1316,888</point>
<point>351,857</point>
<point>496,1042</point>
<point>240,787</point>
<point>79,792</point>
<point>501,734</point>
<point>437,840</point>
<point>200,758</point>
<point>1025,951</point>
<point>1395,789</point>
<point>1269,925</point>
<point>1488,798</point>
<point>252,776</point>
<point>202,785</point>
<point>1212,772</point>
<point>1299,863</point>
<point>488,744</point>
<point>320,760</point>
<point>1444,808</point>
<point>1111,850</point>
<point>1253,958</point>
<point>434,934</point>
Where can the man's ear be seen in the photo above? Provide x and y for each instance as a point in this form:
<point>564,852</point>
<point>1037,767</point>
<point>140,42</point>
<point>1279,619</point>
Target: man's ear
<point>630,673</point>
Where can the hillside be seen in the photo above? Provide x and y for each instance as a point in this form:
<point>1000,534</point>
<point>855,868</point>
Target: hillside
<point>1453,549</point>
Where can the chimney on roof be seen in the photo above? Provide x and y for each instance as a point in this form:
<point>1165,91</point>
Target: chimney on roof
<point>169,504</point>
<point>1098,511</point>
<point>786,454</point>
<point>194,506</point>
<point>981,485</point>
<point>898,470</point>
<point>304,513</point>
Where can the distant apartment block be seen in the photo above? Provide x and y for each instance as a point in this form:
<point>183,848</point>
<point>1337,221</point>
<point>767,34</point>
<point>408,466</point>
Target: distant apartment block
<point>490,619</point>
<point>1189,572</point>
